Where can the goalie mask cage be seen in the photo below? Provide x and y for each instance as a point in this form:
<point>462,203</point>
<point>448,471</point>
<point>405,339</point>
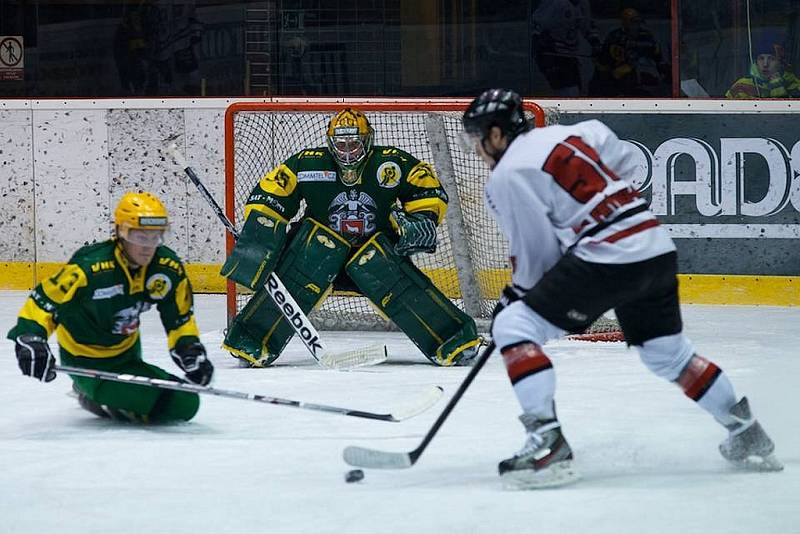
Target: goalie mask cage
<point>470,264</point>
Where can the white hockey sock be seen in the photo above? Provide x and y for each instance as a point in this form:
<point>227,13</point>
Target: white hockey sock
<point>533,378</point>
<point>719,399</point>
<point>706,384</point>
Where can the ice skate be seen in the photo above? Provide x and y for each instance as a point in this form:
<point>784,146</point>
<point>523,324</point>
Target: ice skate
<point>246,347</point>
<point>467,358</point>
<point>544,461</point>
<point>106,412</point>
<point>253,363</point>
<point>91,406</point>
<point>748,446</point>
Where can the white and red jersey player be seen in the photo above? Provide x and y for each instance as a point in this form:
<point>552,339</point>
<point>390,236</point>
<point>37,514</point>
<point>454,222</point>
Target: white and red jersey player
<point>582,241</point>
<point>569,188</point>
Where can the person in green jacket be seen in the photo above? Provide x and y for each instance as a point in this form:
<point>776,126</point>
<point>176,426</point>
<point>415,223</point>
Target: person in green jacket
<point>367,210</point>
<point>768,77</point>
<point>93,305</point>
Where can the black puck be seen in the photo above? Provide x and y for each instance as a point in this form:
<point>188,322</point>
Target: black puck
<point>354,475</point>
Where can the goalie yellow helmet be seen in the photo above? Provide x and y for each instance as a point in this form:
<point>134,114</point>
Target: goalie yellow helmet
<point>349,137</point>
<point>141,218</point>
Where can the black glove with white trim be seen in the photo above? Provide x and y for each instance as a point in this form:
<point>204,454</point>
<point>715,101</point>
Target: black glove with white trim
<point>417,232</point>
<point>34,357</point>
<point>192,360</point>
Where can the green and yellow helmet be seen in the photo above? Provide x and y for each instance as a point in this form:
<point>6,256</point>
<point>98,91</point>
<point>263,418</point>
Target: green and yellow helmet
<point>141,218</point>
<point>349,137</point>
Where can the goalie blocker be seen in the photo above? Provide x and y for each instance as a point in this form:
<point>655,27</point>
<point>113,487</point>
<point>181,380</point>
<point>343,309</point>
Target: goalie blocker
<point>313,259</point>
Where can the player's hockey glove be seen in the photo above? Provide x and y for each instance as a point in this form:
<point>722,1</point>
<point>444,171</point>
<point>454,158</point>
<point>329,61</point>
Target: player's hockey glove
<point>34,357</point>
<point>417,232</point>
<point>192,360</point>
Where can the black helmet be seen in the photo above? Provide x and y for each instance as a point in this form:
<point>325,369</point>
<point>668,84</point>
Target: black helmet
<point>496,107</point>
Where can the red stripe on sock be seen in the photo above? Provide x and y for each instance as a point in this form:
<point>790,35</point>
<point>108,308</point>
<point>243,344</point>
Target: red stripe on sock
<point>697,377</point>
<point>525,360</point>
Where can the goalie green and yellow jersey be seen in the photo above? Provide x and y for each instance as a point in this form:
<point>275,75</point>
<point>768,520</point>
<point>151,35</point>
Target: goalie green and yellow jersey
<point>93,304</point>
<point>357,204</point>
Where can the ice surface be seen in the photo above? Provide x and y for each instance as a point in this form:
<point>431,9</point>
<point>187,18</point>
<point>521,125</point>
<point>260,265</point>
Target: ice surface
<point>647,454</point>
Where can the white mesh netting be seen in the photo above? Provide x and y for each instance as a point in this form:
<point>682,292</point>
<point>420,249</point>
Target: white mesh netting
<point>470,265</point>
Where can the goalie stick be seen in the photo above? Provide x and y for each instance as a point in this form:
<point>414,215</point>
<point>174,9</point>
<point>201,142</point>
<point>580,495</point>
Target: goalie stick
<point>365,457</point>
<point>401,413</point>
<point>284,300</point>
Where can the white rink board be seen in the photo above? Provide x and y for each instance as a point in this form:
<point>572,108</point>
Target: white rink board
<point>87,152</point>
<point>71,164</point>
<point>82,154</point>
<point>647,454</point>
<point>16,187</point>
<point>204,146</point>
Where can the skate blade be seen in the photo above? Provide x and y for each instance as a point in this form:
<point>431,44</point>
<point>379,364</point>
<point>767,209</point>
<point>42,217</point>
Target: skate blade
<point>249,364</point>
<point>759,463</point>
<point>558,474</point>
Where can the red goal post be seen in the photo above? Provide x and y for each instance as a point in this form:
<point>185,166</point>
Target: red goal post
<point>470,265</point>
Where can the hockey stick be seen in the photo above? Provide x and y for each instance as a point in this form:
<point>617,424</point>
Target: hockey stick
<point>419,405</point>
<point>284,300</point>
<point>364,457</point>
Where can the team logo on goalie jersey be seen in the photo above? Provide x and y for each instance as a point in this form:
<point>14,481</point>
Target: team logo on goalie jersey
<point>389,174</point>
<point>158,286</point>
<point>352,213</point>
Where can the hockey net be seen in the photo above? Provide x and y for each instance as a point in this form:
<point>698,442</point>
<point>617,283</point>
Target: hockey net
<point>470,265</point>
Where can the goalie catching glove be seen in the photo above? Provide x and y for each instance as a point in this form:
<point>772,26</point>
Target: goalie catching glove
<point>34,357</point>
<point>192,360</point>
<point>417,232</point>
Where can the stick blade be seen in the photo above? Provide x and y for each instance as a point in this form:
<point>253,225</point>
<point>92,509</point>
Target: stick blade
<point>418,404</point>
<point>371,458</point>
<point>369,355</point>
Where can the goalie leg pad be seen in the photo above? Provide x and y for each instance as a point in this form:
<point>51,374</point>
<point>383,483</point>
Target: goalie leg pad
<point>307,268</point>
<point>257,250</point>
<point>445,334</point>
<point>245,336</point>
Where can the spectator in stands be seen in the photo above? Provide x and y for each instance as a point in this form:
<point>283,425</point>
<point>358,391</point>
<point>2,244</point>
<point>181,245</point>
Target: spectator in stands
<point>630,62</point>
<point>156,49</point>
<point>135,41</point>
<point>557,24</point>
<point>768,77</point>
